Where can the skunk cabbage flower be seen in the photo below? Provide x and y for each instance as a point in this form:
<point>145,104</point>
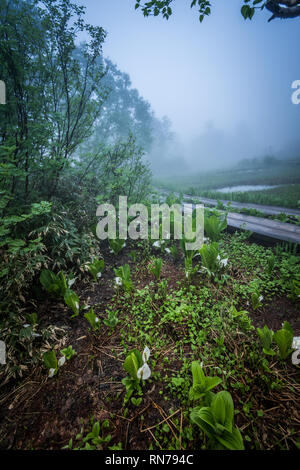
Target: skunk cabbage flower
<point>61,361</point>
<point>260,298</point>
<point>146,354</point>
<point>144,372</point>
<point>118,281</point>
<point>157,244</point>
<point>51,372</point>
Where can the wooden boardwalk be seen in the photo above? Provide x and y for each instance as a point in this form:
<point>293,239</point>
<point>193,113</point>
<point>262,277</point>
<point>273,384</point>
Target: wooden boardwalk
<point>265,229</point>
<point>267,210</point>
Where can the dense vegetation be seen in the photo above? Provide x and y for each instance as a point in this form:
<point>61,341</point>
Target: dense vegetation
<point>121,344</point>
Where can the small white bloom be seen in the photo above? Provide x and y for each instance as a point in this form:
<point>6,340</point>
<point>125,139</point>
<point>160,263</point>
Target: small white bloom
<point>144,372</point>
<point>118,281</point>
<point>296,357</point>
<point>296,342</point>
<point>77,305</point>
<point>167,250</point>
<point>26,325</point>
<point>157,244</point>
<point>224,262</point>
<point>96,320</point>
<point>51,372</point>
<point>71,282</point>
<point>61,361</point>
<point>146,354</point>
<point>260,298</point>
<point>99,274</point>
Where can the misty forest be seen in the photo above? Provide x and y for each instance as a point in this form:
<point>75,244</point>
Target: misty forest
<point>143,344</point>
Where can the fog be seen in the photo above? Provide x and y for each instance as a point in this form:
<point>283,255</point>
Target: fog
<point>225,84</point>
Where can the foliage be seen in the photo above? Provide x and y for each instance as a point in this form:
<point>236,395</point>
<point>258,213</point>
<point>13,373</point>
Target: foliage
<point>201,384</point>
<point>156,268</point>
<point>92,319</point>
<point>216,421</point>
<point>96,268</point>
<point>123,278</point>
<point>214,226</point>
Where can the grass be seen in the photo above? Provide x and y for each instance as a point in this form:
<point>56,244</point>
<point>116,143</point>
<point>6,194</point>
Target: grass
<point>180,320</point>
<point>286,174</point>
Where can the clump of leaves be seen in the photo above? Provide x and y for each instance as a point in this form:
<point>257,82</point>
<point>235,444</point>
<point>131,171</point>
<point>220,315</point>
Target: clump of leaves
<point>156,268</point>
<point>116,245</point>
<point>95,268</point>
<point>51,362</point>
<point>214,226</point>
<point>136,366</point>
<point>92,319</point>
<point>216,421</point>
<point>123,278</point>
<point>112,320</point>
<point>211,259</point>
<point>201,383</point>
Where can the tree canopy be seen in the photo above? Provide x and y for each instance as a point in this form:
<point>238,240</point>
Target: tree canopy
<point>279,8</point>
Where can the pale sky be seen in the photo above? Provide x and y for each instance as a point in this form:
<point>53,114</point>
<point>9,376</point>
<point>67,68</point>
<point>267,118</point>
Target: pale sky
<point>226,73</point>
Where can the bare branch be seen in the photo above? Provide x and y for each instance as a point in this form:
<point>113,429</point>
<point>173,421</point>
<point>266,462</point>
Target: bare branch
<point>291,8</point>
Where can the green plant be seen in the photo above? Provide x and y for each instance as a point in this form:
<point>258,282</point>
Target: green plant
<point>112,320</point>
<point>69,352</point>
<point>136,366</point>
<point>96,268</point>
<point>93,440</point>
<point>284,339</point>
<point>116,245</point>
<point>123,278</point>
<point>51,362</point>
<point>133,255</point>
<point>72,301</point>
<point>156,268</point>
<point>201,384</point>
<point>256,300</point>
<point>92,319</point>
<point>211,259</point>
<point>216,421</point>
<point>214,226</point>
<point>294,290</point>
<point>242,318</point>
<point>266,338</point>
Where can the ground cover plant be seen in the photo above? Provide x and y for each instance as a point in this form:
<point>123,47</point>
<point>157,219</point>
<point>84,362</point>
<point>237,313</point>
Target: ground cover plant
<point>199,343</point>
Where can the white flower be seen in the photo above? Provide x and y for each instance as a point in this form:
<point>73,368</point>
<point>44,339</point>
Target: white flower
<point>296,342</point>
<point>167,250</point>
<point>118,281</point>
<point>224,262</point>
<point>260,298</point>
<point>144,372</point>
<point>26,325</point>
<point>51,372</point>
<point>99,274</point>
<point>296,357</point>
<point>61,361</point>
<point>146,354</point>
<point>77,305</point>
<point>96,320</point>
<point>157,244</point>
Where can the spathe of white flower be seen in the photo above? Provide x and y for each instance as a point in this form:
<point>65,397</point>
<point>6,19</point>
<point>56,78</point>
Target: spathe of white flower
<point>260,298</point>
<point>61,361</point>
<point>146,354</point>
<point>157,244</point>
<point>144,372</point>
<point>51,372</point>
<point>118,281</point>
<point>296,357</point>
